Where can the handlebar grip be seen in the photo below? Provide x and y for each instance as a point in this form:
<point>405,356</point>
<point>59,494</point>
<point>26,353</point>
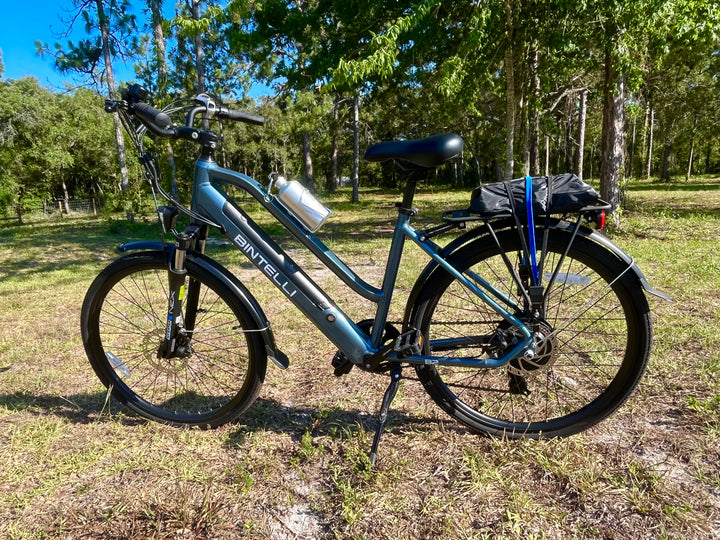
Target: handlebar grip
<point>150,115</point>
<point>248,118</point>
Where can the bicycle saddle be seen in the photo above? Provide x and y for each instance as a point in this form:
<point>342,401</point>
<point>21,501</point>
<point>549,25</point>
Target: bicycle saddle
<point>423,153</point>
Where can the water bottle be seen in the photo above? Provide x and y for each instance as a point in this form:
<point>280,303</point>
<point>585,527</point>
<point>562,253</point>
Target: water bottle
<point>296,198</point>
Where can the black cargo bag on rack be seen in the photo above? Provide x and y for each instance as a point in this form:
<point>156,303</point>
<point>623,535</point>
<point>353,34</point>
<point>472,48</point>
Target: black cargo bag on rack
<point>550,195</point>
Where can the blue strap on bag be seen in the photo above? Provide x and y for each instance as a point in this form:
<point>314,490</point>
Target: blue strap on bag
<point>531,227</point>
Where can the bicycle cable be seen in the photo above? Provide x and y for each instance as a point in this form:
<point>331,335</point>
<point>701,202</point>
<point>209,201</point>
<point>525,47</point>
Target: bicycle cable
<point>150,170</point>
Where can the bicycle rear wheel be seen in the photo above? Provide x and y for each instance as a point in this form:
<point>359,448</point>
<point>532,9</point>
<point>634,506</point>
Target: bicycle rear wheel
<point>123,324</point>
<point>592,344</point>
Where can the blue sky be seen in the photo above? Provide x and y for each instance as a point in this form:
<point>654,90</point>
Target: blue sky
<point>24,22</point>
<point>27,21</point>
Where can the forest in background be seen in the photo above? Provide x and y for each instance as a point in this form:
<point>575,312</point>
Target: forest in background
<point>606,89</point>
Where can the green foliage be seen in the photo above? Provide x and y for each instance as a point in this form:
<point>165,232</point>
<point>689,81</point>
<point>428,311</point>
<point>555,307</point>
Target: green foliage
<point>32,154</point>
<point>383,50</point>
<point>86,57</point>
<point>418,67</point>
<point>224,74</point>
<point>49,139</point>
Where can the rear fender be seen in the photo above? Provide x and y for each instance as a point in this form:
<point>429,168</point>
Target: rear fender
<point>481,234</point>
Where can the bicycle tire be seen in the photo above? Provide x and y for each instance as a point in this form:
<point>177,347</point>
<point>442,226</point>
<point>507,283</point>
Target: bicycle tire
<point>123,322</point>
<point>584,370</point>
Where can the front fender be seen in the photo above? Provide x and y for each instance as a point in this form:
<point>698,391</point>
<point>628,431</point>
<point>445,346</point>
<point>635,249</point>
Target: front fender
<point>221,273</point>
<point>142,245</point>
<point>213,267</point>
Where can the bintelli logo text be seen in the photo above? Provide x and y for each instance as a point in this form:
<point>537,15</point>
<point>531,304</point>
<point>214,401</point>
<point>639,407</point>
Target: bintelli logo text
<point>264,265</point>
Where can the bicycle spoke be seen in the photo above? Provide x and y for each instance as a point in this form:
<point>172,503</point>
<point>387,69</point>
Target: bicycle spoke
<point>583,342</point>
<point>206,375</point>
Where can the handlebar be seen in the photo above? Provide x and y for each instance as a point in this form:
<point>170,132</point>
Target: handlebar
<point>150,115</point>
<point>248,118</point>
<point>161,124</point>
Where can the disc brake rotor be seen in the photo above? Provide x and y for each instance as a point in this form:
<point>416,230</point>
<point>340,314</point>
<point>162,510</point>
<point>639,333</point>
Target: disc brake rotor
<point>545,354</point>
<point>169,366</point>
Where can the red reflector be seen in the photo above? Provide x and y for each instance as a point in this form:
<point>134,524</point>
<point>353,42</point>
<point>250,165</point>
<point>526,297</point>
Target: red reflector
<point>601,219</point>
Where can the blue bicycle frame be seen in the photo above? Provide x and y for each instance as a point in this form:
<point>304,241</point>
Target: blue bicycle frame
<point>210,200</point>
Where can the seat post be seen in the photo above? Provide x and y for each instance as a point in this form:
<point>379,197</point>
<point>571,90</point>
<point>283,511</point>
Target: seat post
<point>409,192</point>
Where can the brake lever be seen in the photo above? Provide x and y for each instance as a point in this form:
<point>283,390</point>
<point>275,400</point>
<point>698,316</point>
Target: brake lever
<point>205,100</point>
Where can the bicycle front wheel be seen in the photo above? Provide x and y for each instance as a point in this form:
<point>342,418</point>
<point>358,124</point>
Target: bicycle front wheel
<point>123,323</point>
<point>592,343</point>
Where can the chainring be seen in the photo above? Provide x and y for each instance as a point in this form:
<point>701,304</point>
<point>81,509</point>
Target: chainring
<point>342,363</point>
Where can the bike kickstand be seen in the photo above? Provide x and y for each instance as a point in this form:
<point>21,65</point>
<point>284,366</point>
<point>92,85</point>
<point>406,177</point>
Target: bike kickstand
<point>395,376</point>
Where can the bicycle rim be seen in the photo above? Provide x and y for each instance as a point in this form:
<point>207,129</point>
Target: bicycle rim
<point>594,346</point>
<point>123,325</point>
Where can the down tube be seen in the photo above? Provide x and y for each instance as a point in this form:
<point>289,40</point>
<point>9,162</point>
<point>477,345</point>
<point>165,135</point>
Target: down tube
<point>285,274</point>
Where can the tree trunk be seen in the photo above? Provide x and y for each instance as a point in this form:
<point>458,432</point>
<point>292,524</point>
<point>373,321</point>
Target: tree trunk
<point>334,181</point>
<point>510,85</point>
<point>547,155</point>
<point>632,147</point>
<point>612,150</point>
<point>525,123</point>
<point>582,118</point>
<point>356,150</point>
<point>66,198</point>
<point>461,169</point>
<point>199,52</point>
<point>174,191</point>
<point>119,140</point>
<point>157,20</point>
<point>646,124</point>
<point>161,57</point>
<point>692,151</point>
<point>535,107</point>
<point>120,145</point>
<point>569,128</point>
<point>307,162</point>
<point>650,142</point>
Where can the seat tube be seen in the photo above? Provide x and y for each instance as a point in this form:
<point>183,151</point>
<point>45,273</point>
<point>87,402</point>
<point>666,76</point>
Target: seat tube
<point>405,212</point>
<point>391,272</point>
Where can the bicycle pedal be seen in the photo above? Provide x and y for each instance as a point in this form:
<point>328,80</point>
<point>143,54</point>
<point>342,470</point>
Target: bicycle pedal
<point>341,364</point>
<point>408,343</point>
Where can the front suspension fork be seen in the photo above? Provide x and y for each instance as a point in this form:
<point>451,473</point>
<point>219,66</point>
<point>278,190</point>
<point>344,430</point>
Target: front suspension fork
<point>176,325</point>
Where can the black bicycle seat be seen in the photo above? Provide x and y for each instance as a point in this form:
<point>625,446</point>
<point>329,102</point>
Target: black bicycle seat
<point>425,153</point>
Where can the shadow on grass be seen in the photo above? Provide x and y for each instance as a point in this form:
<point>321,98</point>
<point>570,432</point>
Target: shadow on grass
<point>334,422</point>
<point>78,408</point>
<point>264,414</point>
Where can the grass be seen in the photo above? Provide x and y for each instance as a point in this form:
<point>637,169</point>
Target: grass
<point>295,466</point>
